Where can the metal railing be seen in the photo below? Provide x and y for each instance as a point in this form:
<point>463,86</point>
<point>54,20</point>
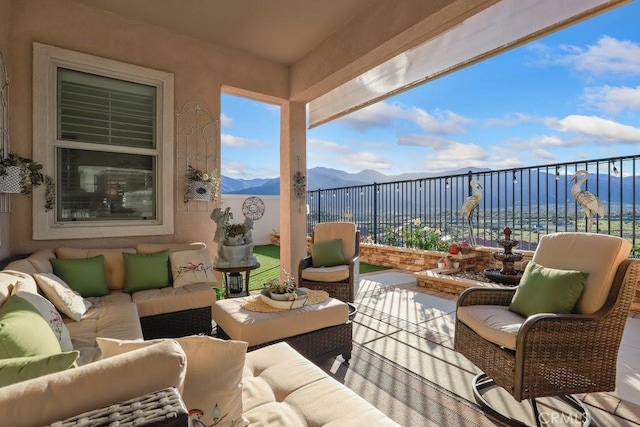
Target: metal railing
<point>532,201</point>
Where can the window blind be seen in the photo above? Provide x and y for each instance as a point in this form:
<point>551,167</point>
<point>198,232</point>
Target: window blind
<point>103,110</point>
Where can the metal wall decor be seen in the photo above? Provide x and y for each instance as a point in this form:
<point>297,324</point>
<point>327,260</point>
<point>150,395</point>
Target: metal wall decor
<point>253,208</point>
<point>197,134</point>
<point>299,183</point>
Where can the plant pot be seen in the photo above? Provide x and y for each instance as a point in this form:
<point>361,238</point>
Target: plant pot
<point>456,265</point>
<point>283,297</point>
<point>441,265</point>
<point>200,190</point>
<point>10,183</point>
<point>235,240</point>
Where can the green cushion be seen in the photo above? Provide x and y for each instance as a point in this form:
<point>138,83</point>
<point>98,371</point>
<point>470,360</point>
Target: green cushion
<point>84,275</point>
<point>24,332</point>
<point>327,253</point>
<point>547,290</point>
<point>145,271</point>
<point>19,369</point>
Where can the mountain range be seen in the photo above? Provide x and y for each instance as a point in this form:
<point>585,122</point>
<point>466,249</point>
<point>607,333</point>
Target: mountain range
<point>322,178</point>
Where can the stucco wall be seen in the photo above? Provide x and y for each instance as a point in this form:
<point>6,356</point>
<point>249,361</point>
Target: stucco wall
<point>200,71</point>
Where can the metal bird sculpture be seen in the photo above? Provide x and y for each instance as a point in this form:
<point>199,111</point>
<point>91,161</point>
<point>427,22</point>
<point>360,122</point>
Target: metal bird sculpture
<point>589,201</point>
<point>470,204</point>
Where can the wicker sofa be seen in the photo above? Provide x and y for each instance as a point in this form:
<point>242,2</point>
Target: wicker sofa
<point>273,385</point>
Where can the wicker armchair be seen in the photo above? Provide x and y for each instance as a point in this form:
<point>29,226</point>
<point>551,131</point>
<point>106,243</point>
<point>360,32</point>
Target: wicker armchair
<point>340,281</point>
<point>552,354</point>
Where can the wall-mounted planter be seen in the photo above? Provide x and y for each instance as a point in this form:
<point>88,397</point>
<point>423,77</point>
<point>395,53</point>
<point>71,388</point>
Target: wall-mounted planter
<point>200,190</point>
<point>10,183</point>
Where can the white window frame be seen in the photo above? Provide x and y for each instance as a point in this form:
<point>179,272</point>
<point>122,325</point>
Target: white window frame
<point>46,60</point>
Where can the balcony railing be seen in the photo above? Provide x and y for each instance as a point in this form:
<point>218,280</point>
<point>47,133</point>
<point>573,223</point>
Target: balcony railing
<point>532,201</point>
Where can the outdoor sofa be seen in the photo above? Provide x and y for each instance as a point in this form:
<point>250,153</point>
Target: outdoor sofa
<point>108,361</point>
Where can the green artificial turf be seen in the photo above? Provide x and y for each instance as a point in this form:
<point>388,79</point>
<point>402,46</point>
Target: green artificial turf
<point>269,258</point>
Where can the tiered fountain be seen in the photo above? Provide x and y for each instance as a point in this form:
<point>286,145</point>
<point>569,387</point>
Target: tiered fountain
<point>506,275</point>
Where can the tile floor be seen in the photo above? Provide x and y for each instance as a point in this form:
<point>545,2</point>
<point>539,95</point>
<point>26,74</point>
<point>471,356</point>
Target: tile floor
<point>414,327</point>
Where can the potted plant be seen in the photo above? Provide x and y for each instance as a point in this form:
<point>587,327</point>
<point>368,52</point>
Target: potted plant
<point>200,186</point>
<point>234,234</point>
<point>21,175</point>
<point>282,291</point>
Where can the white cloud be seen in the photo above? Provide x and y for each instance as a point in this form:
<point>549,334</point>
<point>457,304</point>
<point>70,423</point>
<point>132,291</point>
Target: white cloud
<point>540,141</point>
<point>238,141</point>
<point>242,170</point>
<point>366,160</point>
<point>380,114</point>
<point>604,130</point>
<point>384,114</point>
<point>225,121</point>
<point>544,155</point>
<point>607,56</point>
<point>343,156</point>
<point>327,146</point>
<point>511,119</point>
<point>442,122</point>
<point>613,100</point>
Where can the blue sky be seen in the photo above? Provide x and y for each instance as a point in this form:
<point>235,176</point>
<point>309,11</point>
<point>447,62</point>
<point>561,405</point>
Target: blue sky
<point>570,96</point>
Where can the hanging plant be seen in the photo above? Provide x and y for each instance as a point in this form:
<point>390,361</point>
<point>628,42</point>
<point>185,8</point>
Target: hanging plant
<point>30,176</point>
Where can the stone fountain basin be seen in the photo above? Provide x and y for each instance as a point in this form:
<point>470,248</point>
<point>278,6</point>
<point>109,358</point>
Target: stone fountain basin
<point>506,279</point>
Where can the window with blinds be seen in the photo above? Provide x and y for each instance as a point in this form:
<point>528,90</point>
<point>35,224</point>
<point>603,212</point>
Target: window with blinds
<point>95,116</point>
<point>104,130</point>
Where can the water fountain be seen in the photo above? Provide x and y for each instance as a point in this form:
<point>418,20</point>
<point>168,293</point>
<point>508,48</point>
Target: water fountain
<point>506,275</point>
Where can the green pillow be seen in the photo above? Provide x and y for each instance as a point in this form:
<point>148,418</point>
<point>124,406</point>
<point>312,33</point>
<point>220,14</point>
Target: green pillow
<point>19,369</point>
<point>84,275</point>
<point>146,271</point>
<point>24,332</point>
<point>547,290</point>
<point>327,253</point>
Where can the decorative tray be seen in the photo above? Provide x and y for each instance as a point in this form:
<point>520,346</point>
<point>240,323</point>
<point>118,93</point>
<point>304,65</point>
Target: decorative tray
<point>300,301</point>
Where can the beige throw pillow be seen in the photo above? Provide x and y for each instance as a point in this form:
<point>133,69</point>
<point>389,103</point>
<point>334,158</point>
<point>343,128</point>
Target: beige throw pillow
<point>213,379</point>
<point>62,296</point>
<point>190,267</point>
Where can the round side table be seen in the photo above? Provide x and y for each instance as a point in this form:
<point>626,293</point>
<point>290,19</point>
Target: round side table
<point>230,271</point>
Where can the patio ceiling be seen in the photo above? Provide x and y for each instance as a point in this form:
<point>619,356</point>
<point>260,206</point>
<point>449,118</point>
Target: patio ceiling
<point>345,54</point>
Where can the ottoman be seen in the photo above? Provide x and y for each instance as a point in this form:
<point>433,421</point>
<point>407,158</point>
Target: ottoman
<point>317,331</point>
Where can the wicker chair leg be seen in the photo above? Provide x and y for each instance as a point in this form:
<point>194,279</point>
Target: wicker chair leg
<point>482,382</point>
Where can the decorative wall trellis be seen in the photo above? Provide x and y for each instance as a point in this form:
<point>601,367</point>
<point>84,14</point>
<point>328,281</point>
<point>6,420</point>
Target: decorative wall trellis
<point>196,145</point>
<point>4,125</point>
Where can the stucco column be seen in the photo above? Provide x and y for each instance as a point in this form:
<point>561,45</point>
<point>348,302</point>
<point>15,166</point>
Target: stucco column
<point>293,211</point>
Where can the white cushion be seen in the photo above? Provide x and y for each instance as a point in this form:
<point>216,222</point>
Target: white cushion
<point>282,388</point>
<point>337,230</point>
<point>259,328</point>
<point>600,255</point>
<point>214,374</point>
<point>67,300</point>
<point>61,395</point>
<point>170,300</point>
<point>336,273</point>
<point>494,323</point>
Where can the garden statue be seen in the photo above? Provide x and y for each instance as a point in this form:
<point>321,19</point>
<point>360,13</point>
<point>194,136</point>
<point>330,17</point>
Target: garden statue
<point>589,201</point>
<point>235,244</point>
